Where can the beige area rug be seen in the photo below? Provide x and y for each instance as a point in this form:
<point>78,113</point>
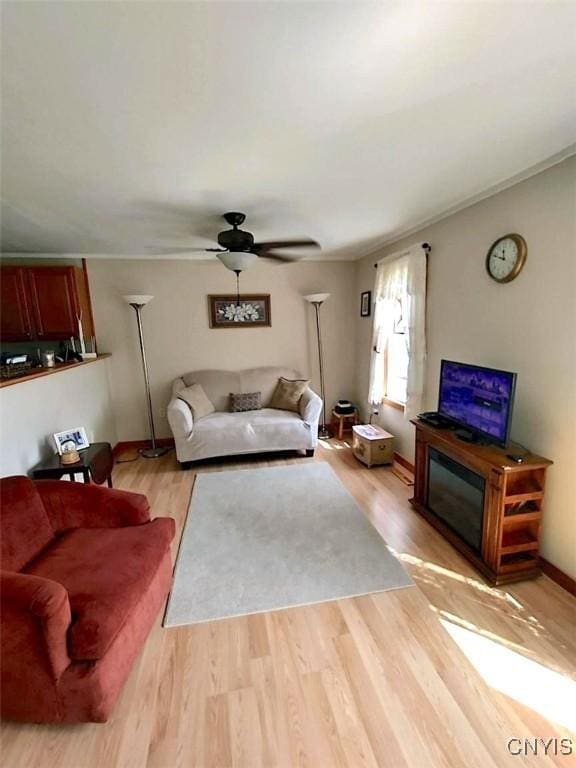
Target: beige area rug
<point>263,539</point>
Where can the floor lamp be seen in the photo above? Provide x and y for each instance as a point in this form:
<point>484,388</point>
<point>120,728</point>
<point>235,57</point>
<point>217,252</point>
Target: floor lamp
<point>137,302</point>
<point>317,299</point>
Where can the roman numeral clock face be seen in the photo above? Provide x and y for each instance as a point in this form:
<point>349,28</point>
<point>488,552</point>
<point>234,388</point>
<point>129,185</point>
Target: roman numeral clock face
<point>506,258</point>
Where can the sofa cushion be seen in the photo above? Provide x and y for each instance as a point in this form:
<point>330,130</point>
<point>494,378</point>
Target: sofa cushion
<point>105,571</point>
<point>252,421</point>
<point>227,434</point>
<point>248,401</point>
<point>287,394</point>
<point>196,398</point>
<point>25,526</point>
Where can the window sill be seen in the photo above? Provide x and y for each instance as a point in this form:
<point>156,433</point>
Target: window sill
<point>394,404</point>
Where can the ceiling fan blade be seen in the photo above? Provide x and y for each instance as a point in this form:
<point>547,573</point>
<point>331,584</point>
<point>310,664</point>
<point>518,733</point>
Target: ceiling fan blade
<point>279,257</point>
<point>174,249</point>
<point>177,251</point>
<point>271,244</point>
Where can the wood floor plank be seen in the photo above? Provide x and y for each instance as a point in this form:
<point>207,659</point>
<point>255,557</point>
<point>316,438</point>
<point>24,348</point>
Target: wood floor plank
<point>259,643</point>
<point>217,737</point>
<point>329,746</point>
<point>384,739</point>
<point>245,733</point>
<point>296,736</point>
<point>262,674</point>
<point>351,732</point>
<point>369,681</point>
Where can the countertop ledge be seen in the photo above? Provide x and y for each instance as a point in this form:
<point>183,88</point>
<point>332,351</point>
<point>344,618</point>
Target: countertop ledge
<point>37,373</point>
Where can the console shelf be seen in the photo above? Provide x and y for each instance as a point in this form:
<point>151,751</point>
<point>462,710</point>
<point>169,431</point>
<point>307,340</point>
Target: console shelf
<point>520,518</point>
<point>512,503</point>
<point>515,498</point>
<point>519,540</point>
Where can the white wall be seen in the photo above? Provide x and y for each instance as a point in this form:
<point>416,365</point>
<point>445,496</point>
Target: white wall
<point>527,326</point>
<point>179,339</point>
<point>31,411</point>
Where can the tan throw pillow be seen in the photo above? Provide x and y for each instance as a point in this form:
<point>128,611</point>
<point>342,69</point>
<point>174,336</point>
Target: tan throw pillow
<point>248,401</point>
<point>197,400</point>
<point>288,393</point>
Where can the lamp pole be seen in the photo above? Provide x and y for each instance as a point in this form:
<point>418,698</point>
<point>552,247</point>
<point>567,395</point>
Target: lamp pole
<point>137,302</point>
<point>317,299</point>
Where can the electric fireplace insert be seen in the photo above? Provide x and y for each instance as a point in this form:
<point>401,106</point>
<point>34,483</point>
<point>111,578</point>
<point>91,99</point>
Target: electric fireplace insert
<point>455,495</point>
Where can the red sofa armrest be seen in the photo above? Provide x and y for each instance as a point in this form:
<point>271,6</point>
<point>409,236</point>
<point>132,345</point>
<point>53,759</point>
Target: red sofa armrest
<point>35,621</point>
<point>79,505</point>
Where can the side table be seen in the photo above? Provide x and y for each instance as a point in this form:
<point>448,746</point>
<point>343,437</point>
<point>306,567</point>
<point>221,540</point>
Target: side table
<point>95,465</point>
<point>343,422</point>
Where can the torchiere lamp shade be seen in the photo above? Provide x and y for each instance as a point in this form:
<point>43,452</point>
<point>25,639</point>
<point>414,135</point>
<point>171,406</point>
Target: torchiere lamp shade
<point>140,299</point>
<point>317,298</point>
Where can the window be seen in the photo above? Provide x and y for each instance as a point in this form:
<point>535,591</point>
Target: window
<point>399,343</point>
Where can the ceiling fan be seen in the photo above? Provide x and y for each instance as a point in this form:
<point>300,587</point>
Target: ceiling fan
<point>238,250</point>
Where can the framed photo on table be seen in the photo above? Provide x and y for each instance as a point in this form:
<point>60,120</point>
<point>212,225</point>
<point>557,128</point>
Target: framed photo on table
<point>77,436</point>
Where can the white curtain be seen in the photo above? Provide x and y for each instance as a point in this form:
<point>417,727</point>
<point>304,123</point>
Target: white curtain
<point>399,276</point>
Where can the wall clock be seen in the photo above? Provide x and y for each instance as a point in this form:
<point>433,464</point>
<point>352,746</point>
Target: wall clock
<point>506,258</point>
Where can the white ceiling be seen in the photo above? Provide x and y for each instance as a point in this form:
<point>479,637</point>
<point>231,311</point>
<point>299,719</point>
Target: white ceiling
<point>128,126</point>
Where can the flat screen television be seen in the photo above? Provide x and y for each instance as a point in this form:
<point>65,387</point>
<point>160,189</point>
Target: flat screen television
<point>478,399</point>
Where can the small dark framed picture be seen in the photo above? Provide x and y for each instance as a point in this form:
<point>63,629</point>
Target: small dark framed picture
<point>365,303</point>
<point>244,311</point>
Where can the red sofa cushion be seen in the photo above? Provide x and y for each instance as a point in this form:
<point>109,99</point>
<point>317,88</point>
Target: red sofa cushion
<point>26,529</point>
<point>105,570</point>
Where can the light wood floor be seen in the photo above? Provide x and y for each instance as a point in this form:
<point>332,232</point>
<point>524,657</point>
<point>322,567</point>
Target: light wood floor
<point>364,682</point>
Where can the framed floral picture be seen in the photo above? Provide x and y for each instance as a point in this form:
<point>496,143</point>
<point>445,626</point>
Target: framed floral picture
<point>244,311</point>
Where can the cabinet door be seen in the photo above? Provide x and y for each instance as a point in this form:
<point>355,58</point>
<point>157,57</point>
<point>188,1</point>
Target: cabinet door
<point>15,320</point>
<point>54,301</point>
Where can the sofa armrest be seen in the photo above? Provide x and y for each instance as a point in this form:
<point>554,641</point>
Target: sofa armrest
<point>180,418</point>
<point>35,620</point>
<point>79,505</point>
<point>310,407</point>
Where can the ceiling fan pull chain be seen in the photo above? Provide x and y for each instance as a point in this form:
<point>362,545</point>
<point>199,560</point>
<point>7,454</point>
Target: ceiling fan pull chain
<point>237,271</point>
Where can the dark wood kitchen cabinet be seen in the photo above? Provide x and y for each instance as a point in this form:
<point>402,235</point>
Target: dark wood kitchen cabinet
<point>44,303</point>
<point>14,306</point>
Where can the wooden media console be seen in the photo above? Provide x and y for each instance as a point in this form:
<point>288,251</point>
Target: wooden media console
<point>485,504</point>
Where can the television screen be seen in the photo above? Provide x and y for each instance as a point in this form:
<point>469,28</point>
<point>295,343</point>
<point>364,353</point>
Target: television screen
<point>479,399</point>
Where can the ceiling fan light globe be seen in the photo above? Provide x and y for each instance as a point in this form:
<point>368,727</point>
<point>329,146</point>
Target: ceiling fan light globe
<point>237,261</point>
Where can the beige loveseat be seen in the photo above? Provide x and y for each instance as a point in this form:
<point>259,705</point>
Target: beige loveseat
<point>226,434</point>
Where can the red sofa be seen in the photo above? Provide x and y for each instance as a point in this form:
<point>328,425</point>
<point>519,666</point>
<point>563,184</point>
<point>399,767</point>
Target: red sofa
<point>84,574</point>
